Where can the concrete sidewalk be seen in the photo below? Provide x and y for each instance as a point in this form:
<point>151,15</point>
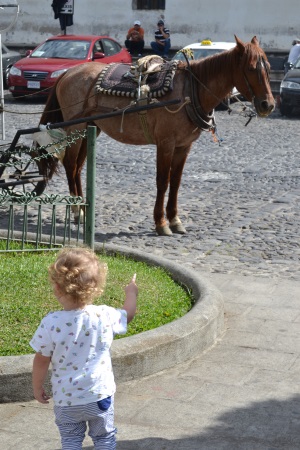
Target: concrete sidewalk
<point>241,394</point>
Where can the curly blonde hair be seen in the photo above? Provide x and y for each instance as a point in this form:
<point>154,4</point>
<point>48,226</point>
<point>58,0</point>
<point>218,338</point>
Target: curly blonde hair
<point>79,274</point>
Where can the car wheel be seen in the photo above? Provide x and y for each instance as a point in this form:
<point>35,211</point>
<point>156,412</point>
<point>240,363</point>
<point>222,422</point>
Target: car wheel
<point>285,110</point>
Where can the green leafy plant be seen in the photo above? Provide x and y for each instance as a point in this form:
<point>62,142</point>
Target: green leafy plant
<point>26,296</point>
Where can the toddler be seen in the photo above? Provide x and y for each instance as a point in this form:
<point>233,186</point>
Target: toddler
<point>77,341</point>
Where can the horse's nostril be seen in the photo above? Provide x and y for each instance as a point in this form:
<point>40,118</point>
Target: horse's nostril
<point>266,106</point>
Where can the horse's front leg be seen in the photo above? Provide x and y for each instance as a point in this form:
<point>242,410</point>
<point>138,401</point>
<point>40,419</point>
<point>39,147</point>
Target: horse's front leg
<point>178,162</point>
<point>163,164</point>
<point>79,211</point>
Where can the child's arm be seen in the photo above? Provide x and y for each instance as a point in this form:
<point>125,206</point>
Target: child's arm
<point>131,291</point>
<point>39,373</point>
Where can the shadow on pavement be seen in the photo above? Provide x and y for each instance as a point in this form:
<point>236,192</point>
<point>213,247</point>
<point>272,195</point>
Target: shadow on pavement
<point>272,424</point>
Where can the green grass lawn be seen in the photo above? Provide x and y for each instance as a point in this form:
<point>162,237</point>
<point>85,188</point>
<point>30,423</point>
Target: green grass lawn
<point>26,296</point>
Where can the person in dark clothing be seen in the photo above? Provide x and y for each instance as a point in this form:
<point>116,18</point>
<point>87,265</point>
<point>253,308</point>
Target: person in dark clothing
<point>162,43</point>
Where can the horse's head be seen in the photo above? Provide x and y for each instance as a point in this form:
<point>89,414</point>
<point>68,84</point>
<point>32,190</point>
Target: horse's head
<point>253,80</point>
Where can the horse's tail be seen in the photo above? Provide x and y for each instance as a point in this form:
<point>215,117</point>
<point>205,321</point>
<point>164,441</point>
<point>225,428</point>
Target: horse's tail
<point>52,111</point>
<point>52,114</point>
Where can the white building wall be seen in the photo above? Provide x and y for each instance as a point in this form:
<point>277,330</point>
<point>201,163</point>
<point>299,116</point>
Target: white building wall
<point>274,22</point>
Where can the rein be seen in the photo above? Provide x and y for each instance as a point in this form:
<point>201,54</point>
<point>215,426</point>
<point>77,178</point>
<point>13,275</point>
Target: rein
<point>205,122</point>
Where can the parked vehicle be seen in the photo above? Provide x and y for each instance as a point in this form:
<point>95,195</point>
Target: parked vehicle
<point>199,50</point>
<point>37,73</point>
<point>290,90</point>
<point>203,49</point>
<point>9,57</point>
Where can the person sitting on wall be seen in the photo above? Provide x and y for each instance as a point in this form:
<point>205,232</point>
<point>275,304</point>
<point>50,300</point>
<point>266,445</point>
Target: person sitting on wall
<point>135,39</point>
<point>162,43</point>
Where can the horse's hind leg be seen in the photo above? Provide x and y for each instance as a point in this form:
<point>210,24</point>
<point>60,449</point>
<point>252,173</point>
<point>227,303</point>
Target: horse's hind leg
<point>79,211</point>
<point>80,162</point>
<point>73,161</point>
<point>178,162</point>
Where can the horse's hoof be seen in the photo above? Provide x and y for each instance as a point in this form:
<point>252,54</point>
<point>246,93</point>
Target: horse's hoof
<point>178,228</point>
<point>164,231</point>
<point>78,220</point>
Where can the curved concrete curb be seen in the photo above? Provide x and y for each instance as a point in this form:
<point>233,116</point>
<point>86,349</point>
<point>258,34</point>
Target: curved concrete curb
<point>146,353</point>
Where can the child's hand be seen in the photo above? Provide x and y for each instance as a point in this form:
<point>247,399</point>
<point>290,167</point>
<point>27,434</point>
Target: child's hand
<point>41,396</point>
<point>131,291</point>
<point>132,288</point>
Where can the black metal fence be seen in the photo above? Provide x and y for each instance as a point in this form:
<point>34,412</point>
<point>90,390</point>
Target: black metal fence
<point>31,222</point>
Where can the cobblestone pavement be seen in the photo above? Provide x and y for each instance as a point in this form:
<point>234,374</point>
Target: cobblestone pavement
<point>239,201</point>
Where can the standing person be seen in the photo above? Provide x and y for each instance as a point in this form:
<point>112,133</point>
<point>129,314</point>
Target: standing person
<point>77,341</point>
<point>135,39</point>
<point>162,43</point>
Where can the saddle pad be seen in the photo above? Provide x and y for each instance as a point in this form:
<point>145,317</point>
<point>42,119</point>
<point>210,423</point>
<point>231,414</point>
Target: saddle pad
<point>113,80</point>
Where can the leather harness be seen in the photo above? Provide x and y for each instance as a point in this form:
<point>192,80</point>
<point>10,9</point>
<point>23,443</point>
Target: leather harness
<point>205,122</point>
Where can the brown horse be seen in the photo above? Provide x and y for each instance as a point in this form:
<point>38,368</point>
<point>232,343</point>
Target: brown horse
<point>172,129</point>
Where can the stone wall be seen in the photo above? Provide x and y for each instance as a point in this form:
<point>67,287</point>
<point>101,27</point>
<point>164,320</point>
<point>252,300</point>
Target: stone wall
<point>274,22</point>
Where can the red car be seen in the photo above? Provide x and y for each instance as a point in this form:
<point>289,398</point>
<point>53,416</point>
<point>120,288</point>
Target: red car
<point>38,71</point>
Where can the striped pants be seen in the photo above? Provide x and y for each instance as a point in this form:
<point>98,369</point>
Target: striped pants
<point>72,424</point>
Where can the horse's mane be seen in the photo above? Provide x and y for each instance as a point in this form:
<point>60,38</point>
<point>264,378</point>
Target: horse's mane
<point>205,68</point>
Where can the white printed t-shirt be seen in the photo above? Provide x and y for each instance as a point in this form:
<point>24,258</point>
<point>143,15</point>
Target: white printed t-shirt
<point>78,343</point>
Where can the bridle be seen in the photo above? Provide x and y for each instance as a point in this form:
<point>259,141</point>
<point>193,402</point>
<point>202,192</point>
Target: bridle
<point>207,122</point>
<point>261,64</point>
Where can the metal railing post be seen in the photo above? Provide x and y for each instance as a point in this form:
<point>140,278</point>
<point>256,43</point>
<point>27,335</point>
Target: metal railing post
<point>90,186</point>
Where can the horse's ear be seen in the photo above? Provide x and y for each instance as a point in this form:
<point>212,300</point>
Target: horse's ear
<point>254,41</point>
<point>240,44</point>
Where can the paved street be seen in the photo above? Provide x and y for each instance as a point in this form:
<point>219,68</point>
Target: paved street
<point>240,205</point>
<point>239,201</point>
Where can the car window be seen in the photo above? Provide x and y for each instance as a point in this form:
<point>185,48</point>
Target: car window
<point>98,47</point>
<point>62,49</point>
<point>199,53</point>
<point>110,47</point>
<point>179,56</point>
<point>80,50</point>
<point>204,52</point>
